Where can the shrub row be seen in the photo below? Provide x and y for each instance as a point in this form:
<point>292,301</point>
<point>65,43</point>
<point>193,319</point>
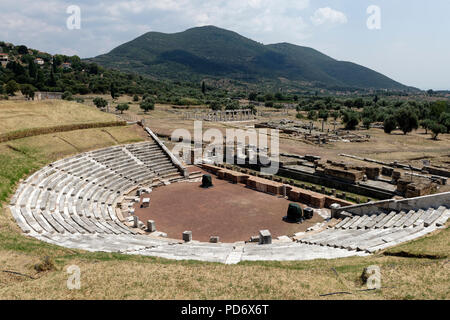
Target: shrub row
<point>19,134</point>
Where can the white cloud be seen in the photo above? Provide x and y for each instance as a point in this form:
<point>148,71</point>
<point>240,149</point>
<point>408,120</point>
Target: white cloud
<point>105,24</point>
<point>328,15</point>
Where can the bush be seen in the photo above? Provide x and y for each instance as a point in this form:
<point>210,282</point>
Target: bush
<point>353,121</point>
<point>350,118</point>
<point>426,124</point>
<point>444,119</point>
<point>312,115</point>
<point>100,103</point>
<point>390,124</point>
<point>11,87</point>
<point>215,105</point>
<point>28,90</point>
<point>67,95</point>
<point>47,264</point>
<point>122,107</point>
<point>147,105</point>
<point>367,122</point>
<point>323,114</point>
<point>20,134</point>
<point>437,129</point>
<point>269,104</point>
<point>407,119</point>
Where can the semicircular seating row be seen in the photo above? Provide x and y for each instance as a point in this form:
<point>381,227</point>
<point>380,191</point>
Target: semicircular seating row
<point>381,229</point>
<point>72,203</point>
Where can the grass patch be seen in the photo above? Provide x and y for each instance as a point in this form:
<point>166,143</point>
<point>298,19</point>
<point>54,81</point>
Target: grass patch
<point>22,115</point>
<point>433,246</point>
<point>24,133</point>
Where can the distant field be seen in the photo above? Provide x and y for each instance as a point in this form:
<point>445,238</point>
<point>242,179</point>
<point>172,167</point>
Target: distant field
<point>18,115</point>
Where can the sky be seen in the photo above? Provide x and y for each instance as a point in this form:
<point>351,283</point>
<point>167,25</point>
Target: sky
<point>410,44</point>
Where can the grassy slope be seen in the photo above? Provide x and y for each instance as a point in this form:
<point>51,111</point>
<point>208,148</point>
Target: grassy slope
<point>15,115</point>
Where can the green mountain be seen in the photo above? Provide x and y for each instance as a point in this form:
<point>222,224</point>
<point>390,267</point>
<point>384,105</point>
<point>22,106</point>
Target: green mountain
<point>214,53</point>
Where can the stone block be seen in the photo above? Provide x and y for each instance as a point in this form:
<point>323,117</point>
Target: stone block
<point>187,236</point>
<point>265,237</point>
<point>135,222</point>
<point>151,226</point>
<point>214,239</point>
<point>308,213</point>
<point>145,202</point>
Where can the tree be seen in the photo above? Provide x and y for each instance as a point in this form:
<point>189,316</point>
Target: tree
<point>122,107</point>
<point>268,97</point>
<point>11,87</point>
<point>335,115</point>
<point>367,122</point>
<point>390,124</point>
<point>136,98</point>
<point>426,124</point>
<point>22,50</point>
<point>32,69</point>
<point>323,114</point>
<point>279,96</point>
<point>93,68</point>
<point>444,119</point>
<point>352,121</point>
<point>375,99</point>
<point>299,115</point>
<point>52,81</point>
<point>407,119</point>
<point>28,90</point>
<point>252,96</point>
<point>113,90</point>
<point>437,108</point>
<point>147,105</point>
<point>358,103</point>
<point>100,103</point>
<point>215,105</point>
<point>312,115</point>
<point>203,87</point>
<point>269,104</point>
<point>437,128</point>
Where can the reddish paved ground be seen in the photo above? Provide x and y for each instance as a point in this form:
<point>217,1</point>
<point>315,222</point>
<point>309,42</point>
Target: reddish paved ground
<point>232,212</point>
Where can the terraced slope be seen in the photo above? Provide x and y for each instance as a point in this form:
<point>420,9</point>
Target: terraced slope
<point>72,203</point>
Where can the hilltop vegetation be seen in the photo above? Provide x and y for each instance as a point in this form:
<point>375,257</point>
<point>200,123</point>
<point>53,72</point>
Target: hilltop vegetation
<point>210,52</point>
<point>71,75</point>
<point>392,114</point>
